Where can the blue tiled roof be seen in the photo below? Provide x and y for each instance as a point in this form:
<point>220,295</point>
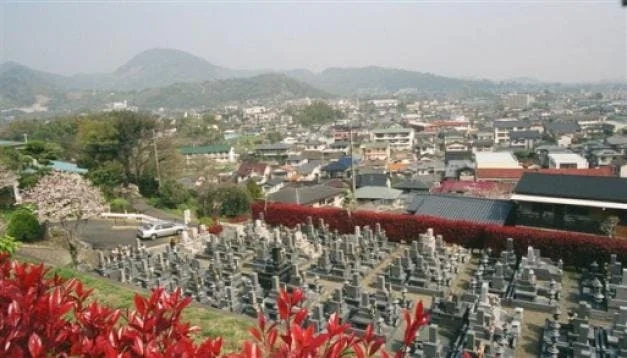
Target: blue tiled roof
<point>479,210</point>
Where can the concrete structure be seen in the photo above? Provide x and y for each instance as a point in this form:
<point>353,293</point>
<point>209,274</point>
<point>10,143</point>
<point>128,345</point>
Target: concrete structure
<point>397,137</point>
<point>501,160</point>
<point>376,151</point>
<point>567,161</point>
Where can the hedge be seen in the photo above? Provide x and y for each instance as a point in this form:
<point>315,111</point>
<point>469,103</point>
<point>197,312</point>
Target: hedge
<point>573,248</point>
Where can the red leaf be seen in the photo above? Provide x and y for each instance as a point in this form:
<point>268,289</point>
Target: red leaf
<point>34,345</point>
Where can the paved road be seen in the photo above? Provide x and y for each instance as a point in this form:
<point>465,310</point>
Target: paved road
<point>141,206</point>
<point>103,234</point>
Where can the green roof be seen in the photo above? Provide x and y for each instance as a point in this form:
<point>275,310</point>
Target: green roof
<point>205,149</point>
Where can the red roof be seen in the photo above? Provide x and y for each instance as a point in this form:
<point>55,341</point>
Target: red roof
<point>246,169</point>
<point>516,174</point>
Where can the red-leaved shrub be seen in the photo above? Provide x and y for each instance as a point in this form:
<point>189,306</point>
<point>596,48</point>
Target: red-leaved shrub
<point>48,317</point>
<point>572,248</point>
<point>215,229</point>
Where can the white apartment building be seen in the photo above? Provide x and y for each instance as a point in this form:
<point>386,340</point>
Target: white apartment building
<point>503,127</point>
<point>567,161</point>
<point>398,138</point>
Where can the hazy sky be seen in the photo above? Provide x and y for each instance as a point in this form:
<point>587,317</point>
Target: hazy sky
<point>548,40</point>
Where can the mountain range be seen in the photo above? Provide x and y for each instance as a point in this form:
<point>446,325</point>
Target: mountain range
<point>176,79</point>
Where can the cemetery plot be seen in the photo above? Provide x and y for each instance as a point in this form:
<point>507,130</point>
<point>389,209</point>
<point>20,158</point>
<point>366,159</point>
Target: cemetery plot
<point>476,301</point>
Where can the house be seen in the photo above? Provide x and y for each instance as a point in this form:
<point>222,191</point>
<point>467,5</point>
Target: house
<point>514,175</point>
<point>604,157</point>
<point>457,155</point>
<point>618,143</point>
<point>415,185</point>
<point>567,161</point>
<point>296,160</point>
<point>248,170</point>
<point>376,151</point>
<point>309,171</point>
<point>272,185</point>
<point>378,195</point>
<point>340,168</point>
<point>276,151</point>
<point>524,139</point>
<point>455,207</point>
<point>315,195</point>
<point>570,202</point>
<point>338,147</point>
<point>372,179</point>
<point>219,153</point>
<point>460,170</point>
<point>559,128</point>
<point>396,137</point>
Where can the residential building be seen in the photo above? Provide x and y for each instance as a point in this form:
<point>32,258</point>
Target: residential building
<point>503,127</point>
<point>276,151</point>
<point>248,170</point>
<point>372,179</point>
<point>396,137</point>
<point>618,143</point>
<point>518,100</point>
<point>376,151</point>
<point>415,185</point>
<point>560,128</point>
<point>567,161</point>
<point>604,157</point>
<point>384,103</point>
<point>340,168</point>
<point>524,139</point>
<point>220,153</point>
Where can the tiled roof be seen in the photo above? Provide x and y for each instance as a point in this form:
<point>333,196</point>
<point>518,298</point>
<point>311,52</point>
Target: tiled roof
<point>453,207</point>
<point>379,179</point>
<point>377,193</point>
<point>205,149</point>
<point>275,146</point>
<point>611,189</point>
<point>304,195</point>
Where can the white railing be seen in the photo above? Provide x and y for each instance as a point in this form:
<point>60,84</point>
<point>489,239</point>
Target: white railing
<point>129,216</point>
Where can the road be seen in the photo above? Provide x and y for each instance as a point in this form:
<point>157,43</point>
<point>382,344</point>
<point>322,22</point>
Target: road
<point>104,234</point>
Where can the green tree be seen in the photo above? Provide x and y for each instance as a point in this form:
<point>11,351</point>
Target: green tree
<point>227,201</point>
<point>173,193</point>
<point>254,190</point>
<point>317,113</point>
<point>274,137</point>
<point>24,226</point>
<point>119,205</point>
<point>235,201</point>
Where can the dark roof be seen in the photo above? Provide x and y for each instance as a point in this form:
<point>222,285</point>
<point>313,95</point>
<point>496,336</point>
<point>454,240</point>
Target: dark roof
<point>611,189</point>
<point>371,180</point>
<point>479,210</point>
<point>525,135</point>
<point>336,166</point>
<point>448,156</point>
<point>511,124</point>
<point>304,195</point>
<point>307,168</point>
<point>274,146</point>
<point>205,149</point>
<point>413,184</point>
<point>561,127</point>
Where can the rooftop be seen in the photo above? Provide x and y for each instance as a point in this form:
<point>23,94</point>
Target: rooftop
<point>377,193</point>
<point>455,207</point>
<point>496,160</point>
<point>610,189</point>
<point>205,149</point>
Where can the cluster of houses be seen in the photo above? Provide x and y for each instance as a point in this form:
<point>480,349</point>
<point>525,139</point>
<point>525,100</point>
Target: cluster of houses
<point>521,165</point>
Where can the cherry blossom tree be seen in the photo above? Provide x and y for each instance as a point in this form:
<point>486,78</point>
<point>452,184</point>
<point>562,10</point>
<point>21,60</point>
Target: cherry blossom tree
<point>66,200</point>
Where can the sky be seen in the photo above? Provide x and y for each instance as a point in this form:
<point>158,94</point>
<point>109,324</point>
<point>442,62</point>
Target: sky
<point>549,40</point>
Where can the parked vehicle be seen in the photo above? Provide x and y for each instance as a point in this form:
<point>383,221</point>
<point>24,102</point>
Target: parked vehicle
<point>159,229</point>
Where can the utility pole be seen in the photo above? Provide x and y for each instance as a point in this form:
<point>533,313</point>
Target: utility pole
<point>156,153</point>
<point>353,180</point>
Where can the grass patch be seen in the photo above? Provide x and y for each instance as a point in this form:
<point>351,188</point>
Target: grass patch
<point>212,322</point>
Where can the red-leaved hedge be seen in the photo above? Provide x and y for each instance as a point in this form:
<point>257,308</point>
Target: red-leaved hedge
<point>574,248</point>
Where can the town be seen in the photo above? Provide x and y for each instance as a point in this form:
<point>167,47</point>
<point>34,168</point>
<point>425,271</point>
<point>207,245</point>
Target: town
<point>316,179</point>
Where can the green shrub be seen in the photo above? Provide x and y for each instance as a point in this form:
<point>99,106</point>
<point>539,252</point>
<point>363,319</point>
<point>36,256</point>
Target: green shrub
<point>24,226</point>
<point>205,220</point>
<point>173,193</point>
<point>119,205</point>
<point>8,245</point>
